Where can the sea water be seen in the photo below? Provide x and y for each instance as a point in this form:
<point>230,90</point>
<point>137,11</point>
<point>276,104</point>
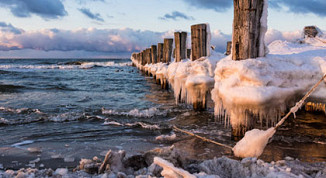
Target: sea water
<point>63,110</point>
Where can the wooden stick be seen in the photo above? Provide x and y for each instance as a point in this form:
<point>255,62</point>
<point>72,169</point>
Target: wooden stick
<point>105,162</point>
<point>202,138</point>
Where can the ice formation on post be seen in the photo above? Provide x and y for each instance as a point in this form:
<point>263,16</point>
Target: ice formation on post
<point>259,90</point>
<point>263,50</point>
<point>191,81</point>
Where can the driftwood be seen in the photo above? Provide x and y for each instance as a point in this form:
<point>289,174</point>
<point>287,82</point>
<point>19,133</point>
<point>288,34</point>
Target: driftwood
<point>105,162</point>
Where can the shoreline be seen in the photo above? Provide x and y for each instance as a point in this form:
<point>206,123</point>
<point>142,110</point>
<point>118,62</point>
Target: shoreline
<point>178,155</point>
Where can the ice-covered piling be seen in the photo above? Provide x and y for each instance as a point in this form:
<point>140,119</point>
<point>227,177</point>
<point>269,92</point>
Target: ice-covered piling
<point>310,31</point>
<point>249,29</point>
<point>160,52</point>
<point>199,41</point>
<point>191,80</point>
<point>167,50</point>
<point>180,39</point>
<point>228,48</point>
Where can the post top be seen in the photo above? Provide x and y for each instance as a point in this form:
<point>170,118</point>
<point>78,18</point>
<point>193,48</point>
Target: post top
<point>199,25</point>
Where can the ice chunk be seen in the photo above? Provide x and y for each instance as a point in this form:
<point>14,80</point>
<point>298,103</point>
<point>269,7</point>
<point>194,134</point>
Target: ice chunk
<point>253,143</point>
<point>169,171</point>
<point>171,137</point>
<point>61,171</point>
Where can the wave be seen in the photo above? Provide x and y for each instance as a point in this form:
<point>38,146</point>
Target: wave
<point>135,124</point>
<point>10,88</point>
<point>68,66</point>
<point>21,110</point>
<point>25,142</point>
<point>147,113</point>
<point>3,121</point>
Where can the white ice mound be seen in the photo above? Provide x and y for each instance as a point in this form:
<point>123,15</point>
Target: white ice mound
<point>263,88</point>
<point>253,143</point>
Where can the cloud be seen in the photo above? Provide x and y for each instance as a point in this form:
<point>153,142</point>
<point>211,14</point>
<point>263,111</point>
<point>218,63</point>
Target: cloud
<point>175,15</point>
<point>8,28</point>
<point>292,36</point>
<point>216,5</point>
<point>316,7</point>
<point>219,40</point>
<point>95,40</point>
<point>47,9</point>
<point>94,16</point>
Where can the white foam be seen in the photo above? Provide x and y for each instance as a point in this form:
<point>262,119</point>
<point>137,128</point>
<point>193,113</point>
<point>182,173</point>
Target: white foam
<point>112,123</point>
<point>3,121</point>
<point>137,113</point>
<point>84,65</point>
<point>25,142</point>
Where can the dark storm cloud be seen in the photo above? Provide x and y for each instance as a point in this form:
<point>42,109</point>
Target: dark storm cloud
<point>47,9</point>
<point>317,7</point>
<point>4,27</point>
<point>91,15</point>
<point>175,15</point>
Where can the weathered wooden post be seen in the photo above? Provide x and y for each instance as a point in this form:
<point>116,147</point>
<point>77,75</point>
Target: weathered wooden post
<point>248,29</point>
<point>148,56</point>
<point>159,52</point>
<point>198,41</point>
<point>188,53</point>
<point>228,48</point>
<point>180,39</point>
<point>310,31</point>
<point>167,50</point>
<point>142,58</point>
<point>154,54</point>
<point>138,58</point>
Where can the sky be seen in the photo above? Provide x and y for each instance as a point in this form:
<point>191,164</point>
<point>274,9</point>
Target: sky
<point>116,28</point>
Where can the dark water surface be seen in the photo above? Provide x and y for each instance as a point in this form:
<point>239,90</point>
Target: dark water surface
<point>56,109</point>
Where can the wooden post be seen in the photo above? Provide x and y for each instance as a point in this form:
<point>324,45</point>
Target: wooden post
<point>160,52</point>
<point>247,39</point>
<point>228,48</point>
<point>198,41</point>
<point>167,50</point>
<point>188,53</point>
<point>142,58</point>
<point>148,56</point>
<point>137,57</point>
<point>154,54</point>
<point>310,31</point>
<point>180,39</point>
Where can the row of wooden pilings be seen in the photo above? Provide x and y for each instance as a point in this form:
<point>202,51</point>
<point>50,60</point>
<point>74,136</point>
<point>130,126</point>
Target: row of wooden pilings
<point>163,52</point>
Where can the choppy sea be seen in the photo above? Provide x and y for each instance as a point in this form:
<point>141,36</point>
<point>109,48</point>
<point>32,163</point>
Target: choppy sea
<point>62,110</point>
